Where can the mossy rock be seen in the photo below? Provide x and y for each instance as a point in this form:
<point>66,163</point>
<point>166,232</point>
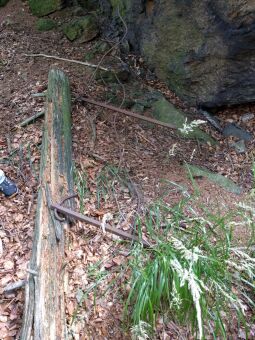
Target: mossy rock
<point>168,113</point>
<point>89,56</point>
<point>84,29</point>
<point>116,76</point>
<point>106,76</point>
<point>3,2</point>
<point>121,6</point>
<point>45,24</point>
<point>102,47</point>
<point>41,8</point>
<point>88,4</point>
<point>218,179</point>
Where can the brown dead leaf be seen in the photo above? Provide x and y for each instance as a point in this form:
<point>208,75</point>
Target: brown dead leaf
<point>70,307</point>
<point>118,260</point>
<point>19,217</point>
<point>8,265</point>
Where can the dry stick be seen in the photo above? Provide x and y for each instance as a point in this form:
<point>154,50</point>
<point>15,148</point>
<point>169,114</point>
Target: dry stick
<point>31,119</point>
<point>11,287</point>
<point>68,60</point>
<point>128,113</point>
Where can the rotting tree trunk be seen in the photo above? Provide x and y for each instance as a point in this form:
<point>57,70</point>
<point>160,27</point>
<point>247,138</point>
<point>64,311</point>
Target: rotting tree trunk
<point>44,314</point>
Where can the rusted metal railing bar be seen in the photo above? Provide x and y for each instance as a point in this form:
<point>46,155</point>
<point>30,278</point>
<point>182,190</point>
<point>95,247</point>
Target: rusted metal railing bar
<point>80,217</point>
<point>126,112</point>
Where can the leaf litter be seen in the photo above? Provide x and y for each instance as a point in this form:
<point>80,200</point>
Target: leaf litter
<point>123,165</point>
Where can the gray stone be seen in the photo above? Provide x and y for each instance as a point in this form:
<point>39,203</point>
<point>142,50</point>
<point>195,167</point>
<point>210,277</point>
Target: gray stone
<point>168,113</point>
<point>233,130</point>
<point>239,146</point>
<point>247,116</point>
<point>220,180</point>
<point>215,122</point>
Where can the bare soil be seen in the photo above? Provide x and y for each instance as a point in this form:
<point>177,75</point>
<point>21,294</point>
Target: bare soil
<point>100,138</point>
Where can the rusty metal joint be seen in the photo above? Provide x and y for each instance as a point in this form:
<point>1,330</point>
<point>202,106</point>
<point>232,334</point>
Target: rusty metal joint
<point>56,215</point>
<point>91,221</point>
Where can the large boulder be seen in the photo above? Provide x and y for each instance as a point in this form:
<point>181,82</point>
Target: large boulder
<point>84,29</point>
<point>3,2</point>
<point>204,50</point>
<point>41,8</point>
<point>88,4</point>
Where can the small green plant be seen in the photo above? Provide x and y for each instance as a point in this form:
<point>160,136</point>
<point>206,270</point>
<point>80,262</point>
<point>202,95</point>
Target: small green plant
<point>190,276</point>
<point>107,180</point>
<point>187,128</point>
<point>81,182</point>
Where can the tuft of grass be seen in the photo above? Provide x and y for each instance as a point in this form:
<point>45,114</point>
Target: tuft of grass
<point>141,331</point>
<point>81,182</point>
<point>106,181</point>
<point>194,277</point>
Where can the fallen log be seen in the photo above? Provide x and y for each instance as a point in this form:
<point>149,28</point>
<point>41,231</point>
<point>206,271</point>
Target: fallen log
<point>44,314</point>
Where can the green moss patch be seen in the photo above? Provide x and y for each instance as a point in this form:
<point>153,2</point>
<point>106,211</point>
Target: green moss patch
<point>45,24</point>
<point>168,113</point>
<point>220,180</point>
<point>84,28</point>
<point>44,7</point>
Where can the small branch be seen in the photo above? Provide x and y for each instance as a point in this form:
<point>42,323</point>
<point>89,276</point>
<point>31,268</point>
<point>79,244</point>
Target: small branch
<point>10,288</point>
<point>40,94</point>
<point>31,119</point>
<point>68,60</point>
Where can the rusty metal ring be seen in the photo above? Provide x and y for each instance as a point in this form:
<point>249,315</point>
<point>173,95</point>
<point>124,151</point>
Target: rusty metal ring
<point>57,217</point>
<point>68,198</point>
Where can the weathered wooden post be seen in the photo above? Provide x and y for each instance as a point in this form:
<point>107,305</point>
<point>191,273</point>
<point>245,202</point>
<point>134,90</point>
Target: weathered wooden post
<point>44,314</point>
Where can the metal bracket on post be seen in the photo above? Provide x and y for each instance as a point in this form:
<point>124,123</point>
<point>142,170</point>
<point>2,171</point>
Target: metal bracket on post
<point>59,218</point>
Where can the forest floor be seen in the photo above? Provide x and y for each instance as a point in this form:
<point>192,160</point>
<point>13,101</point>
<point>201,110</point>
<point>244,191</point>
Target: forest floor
<point>104,144</point>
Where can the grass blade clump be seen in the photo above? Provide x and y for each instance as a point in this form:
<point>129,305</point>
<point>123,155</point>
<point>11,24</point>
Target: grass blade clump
<point>191,277</point>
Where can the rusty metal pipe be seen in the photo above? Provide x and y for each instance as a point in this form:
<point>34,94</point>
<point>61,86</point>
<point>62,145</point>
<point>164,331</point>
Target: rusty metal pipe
<point>126,112</point>
<point>80,217</point>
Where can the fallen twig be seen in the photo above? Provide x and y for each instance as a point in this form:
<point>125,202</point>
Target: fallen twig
<point>31,119</point>
<point>11,287</point>
<point>84,63</point>
<point>39,94</point>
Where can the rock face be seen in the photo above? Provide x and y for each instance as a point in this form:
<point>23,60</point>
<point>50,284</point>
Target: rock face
<point>204,50</point>
<point>3,2</point>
